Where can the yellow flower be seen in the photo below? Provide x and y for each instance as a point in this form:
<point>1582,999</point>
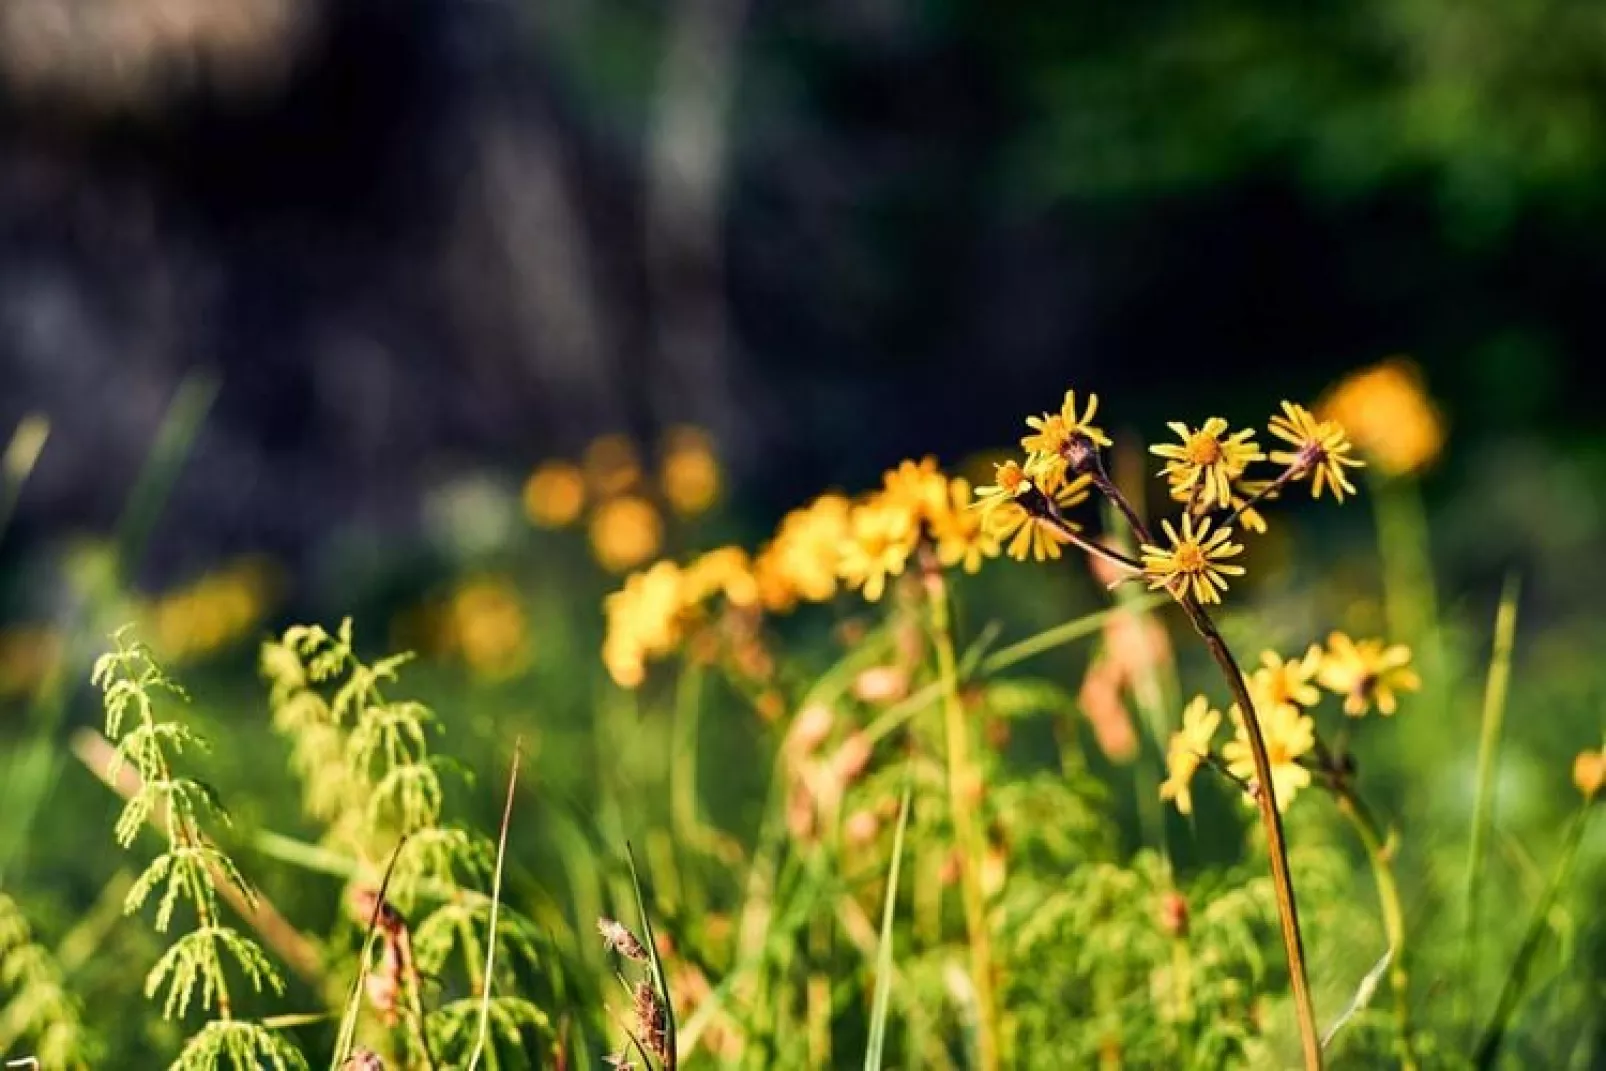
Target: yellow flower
<point>1056,435</point>
<point>1248,516</point>
<point>1390,416</point>
<point>801,561</point>
<point>1208,460</point>
<point>1007,519</point>
<point>1278,682</point>
<point>625,532</point>
<point>1321,450</point>
<point>1195,561</point>
<point>690,471</point>
<point>962,534</point>
<point>1187,750</point>
<point>554,494</point>
<point>644,619</point>
<point>918,488</point>
<point>881,535</point>
<point>1367,672</point>
<point>723,571</point>
<point>487,626</point>
<point>1589,772</point>
<point>1288,735</point>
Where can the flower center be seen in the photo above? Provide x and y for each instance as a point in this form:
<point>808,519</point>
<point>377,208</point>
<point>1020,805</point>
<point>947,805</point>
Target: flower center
<point>1190,559</point>
<point>1203,450</point>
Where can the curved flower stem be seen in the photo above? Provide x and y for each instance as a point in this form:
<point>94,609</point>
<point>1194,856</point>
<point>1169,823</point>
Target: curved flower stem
<point>1265,798</point>
<point>1381,856</point>
<point>962,776</point>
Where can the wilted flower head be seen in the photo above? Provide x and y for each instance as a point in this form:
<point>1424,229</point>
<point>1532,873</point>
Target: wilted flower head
<point>616,937</point>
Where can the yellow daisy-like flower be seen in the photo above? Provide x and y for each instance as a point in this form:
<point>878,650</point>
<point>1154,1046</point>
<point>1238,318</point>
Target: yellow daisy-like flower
<point>919,487</point>
<point>1207,460</point>
<point>722,571</point>
<point>801,561</point>
<point>1367,673</point>
<point>1279,682</point>
<point>963,536</point>
<point>1008,520</point>
<point>1187,750</point>
<point>881,536</point>
<point>1054,435</point>
<point>644,620</point>
<point>1195,561</point>
<point>1388,413</point>
<point>1589,772</point>
<point>1321,450</point>
<point>1288,735</point>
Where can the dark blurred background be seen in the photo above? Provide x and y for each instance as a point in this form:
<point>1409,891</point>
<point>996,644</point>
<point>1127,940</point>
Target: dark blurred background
<point>415,238</point>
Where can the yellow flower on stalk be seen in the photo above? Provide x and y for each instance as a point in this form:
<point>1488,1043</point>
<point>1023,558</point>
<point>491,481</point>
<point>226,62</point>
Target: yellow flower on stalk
<point>1053,437</point>
<point>801,561</point>
<point>644,620</point>
<point>554,494</point>
<point>1281,681</point>
<point>917,487</point>
<point>1207,461</point>
<point>1367,673</point>
<point>625,532</point>
<point>689,474</point>
<point>1187,750</point>
<point>881,536</point>
<point>723,571</point>
<point>1195,562</point>
<point>486,625</point>
<point>1388,413</point>
<point>1321,450</point>
<point>962,534</point>
<point>1288,735</point>
<point>1589,772</point>
<point>1009,521</point>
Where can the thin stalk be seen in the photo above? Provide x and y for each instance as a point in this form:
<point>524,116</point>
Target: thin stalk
<point>963,774</point>
<point>1380,856</point>
<point>496,902</point>
<point>1494,710</point>
<point>1265,798</point>
<point>1517,977</point>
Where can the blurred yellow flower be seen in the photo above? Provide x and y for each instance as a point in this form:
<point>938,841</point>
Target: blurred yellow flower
<point>644,620</point>
<point>1388,412</point>
<point>690,472</point>
<point>918,488</point>
<point>881,536</point>
<point>1367,673</point>
<point>625,532</point>
<point>1207,461</point>
<point>1288,735</point>
<point>1589,772</point>
<point>1278,681</point>
<point>1187,750</point>
<point>554,494</point>
<point>28,655</point>
<point>962,535</point>
<point>1194,562</point>
<point>612,465</point>
<point>1053,436</point>
<point>1321,450</point>
<point>723,571</point>
<point>801,561</point>
<point>210,613</point>
<point>485,624</point>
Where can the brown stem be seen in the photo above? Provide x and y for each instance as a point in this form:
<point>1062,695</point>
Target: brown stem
<point>1265,799</point>
<point>1291,473</point>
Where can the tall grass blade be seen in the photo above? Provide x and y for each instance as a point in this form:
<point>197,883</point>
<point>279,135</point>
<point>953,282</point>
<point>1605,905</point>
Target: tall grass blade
<point>883,966</point>
<point>496,904</point>
<point>1489,736</point>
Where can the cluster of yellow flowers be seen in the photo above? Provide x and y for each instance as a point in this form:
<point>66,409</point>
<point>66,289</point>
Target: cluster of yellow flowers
<point>830,544</point>
<point>1206,471</point>
<point>626,524</point>
<point>1365,674</point>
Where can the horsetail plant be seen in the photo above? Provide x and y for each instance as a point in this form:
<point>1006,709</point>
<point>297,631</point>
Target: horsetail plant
<point>190,870</point>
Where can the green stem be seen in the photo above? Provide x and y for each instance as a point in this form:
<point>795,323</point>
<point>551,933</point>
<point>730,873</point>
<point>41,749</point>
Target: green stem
<point>1517,977</point>
<point>1380,855</point>
<point>963,774</point>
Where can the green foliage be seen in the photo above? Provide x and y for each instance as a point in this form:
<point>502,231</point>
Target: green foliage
<point>36,1008</point>
<point>238,1044</point>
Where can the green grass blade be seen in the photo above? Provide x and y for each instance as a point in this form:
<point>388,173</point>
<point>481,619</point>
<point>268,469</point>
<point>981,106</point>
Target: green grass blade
<point>348,1020</point>
<point>883,967</point>
<point>1494,712</point>
<point>487,976</point>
